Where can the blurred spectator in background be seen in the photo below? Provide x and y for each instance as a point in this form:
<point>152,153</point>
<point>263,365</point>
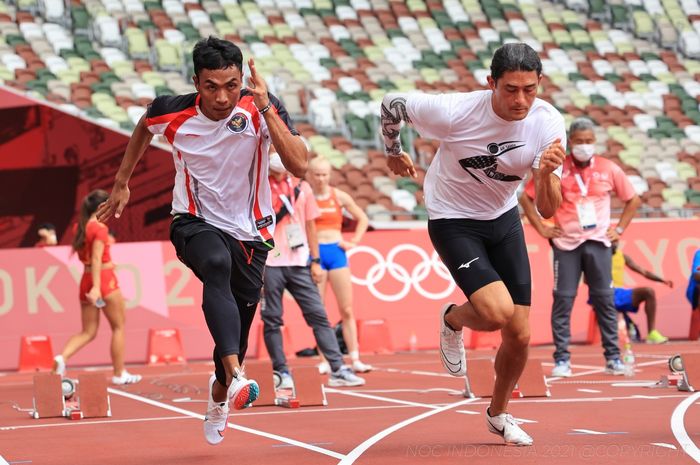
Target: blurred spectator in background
<point>581,240</point>
<point>693,291</point>
<point>47,235</point>
<point>332,247</point>
<point>294,265</point>
<point>99,290</point>
<point>628,300</point>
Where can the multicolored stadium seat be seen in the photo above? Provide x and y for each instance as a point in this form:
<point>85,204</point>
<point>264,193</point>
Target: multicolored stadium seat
<point>630,65</point>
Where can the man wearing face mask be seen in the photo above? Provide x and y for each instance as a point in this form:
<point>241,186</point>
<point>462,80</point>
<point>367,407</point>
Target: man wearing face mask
<point>294,265</point>
<point>581,239</point>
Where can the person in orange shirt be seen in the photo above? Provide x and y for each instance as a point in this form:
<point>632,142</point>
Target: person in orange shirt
<point>581,241</point>
<point>332,247</point>
<point>99,290</point>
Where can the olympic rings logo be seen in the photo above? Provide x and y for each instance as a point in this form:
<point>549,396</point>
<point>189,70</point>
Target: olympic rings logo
<point>413,280</point>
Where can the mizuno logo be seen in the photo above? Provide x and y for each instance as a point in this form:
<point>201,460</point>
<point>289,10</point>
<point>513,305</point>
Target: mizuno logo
<point>466,265</point>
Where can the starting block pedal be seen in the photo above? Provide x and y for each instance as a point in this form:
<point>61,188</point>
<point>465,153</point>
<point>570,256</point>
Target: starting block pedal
<point>308,386</point>
<point>93,399</point>
<point>480,378</point>
<point>532,382</point>
<point>261,372</point>
<point>48,396</point>
<point>691,372</point>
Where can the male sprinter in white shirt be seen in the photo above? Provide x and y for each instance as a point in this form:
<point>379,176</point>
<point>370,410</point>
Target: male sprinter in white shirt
<point>489,140</point>
<point>223,218</point>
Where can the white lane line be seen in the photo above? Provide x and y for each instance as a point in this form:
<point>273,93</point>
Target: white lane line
<point>362,448</point>
<point>663,444</point>
<point>381,398</point>
<point>602,370</point>
<point>416,391</point>
<point>87,422</point>
<point>634,384</point>
<point>639,396</point>
<point>3,461</point>
<point>245,429</point>
<point>524,420</point>
<point>590,391</point>
<point>588,431</point>
<point>468,412</point>
<point>678,427</point>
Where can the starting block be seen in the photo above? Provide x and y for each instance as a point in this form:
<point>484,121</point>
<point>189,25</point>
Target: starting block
<point>480,379</point>
<point>165,346</point>
<point>48,397</point>
<point>93,399</point>
<point>532,381</point>
<point>51,393</point>
<point>261,372</point>
<point>308,386</point>
<point>684,373</point>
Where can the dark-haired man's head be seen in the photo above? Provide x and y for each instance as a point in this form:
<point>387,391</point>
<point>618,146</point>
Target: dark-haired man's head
<point>516,70</point>
<point>218,76</point>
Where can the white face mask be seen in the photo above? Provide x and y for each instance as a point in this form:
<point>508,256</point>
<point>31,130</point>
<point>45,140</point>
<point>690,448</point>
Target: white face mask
<point>276,164</point>
<point>583,152</point>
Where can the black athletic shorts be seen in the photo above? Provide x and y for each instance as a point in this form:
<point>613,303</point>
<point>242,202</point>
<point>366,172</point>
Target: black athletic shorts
<point>247,257</point>
<point>479,252</point>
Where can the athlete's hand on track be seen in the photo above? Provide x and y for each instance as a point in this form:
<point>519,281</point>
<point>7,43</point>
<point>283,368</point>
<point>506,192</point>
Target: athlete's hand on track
<point>257,86</point>
<point>402,165</point>
<point>115,204</point>
<point>552,157</point>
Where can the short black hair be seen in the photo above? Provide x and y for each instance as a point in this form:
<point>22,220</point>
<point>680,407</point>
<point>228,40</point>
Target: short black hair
<point>213,53</point>
<point>515,57</point>
<point>48,226</point>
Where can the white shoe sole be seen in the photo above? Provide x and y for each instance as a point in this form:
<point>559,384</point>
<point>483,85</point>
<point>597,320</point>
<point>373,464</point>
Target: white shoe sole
<point>455,369</point>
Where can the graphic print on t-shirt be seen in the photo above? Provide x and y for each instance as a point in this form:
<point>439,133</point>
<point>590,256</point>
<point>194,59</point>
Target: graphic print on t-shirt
<point>489,163</point>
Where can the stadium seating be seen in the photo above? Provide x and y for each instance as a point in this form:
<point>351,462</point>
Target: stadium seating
<point>630,65</point>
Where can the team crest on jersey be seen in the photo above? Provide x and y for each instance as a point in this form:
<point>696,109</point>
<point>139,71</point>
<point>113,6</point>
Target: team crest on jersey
<point>237,123</point>
<point>489,163</point>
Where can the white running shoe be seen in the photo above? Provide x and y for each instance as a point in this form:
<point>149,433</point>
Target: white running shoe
<point>242,392</point>
<point>507,427</point>
<point>345,377</point>
<point>324,368</point>
<point>59,365</point>
<point>452,353</point>
<point>360,367</point>
<point>216,418</point>
<point>126,378</point>
<point>562,369</point>
<point>286,381</point>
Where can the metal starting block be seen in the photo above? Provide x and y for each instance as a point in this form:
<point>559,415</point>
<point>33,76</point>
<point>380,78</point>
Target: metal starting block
<point>53,396</point>
<point>684,371</point>
<point>308,386</point>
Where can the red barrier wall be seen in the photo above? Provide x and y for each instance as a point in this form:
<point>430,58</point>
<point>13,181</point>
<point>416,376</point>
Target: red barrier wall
<point>397,276</point>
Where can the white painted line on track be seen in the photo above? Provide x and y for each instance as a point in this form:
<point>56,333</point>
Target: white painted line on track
<point>88,423</point>
<point>663,444</point>
<point>590,391</point>
<point>362,448</point>
<point>678,427</point>
<point>381,398</point>
<point>468,412</point>
<point>588,431</point>
<point>244,429</point>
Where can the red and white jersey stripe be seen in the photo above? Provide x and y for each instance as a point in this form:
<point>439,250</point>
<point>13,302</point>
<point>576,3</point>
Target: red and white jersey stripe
<point>221,167</point>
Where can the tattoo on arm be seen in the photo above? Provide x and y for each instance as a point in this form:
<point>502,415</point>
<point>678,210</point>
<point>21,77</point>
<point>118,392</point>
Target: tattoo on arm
<point>392,116</point>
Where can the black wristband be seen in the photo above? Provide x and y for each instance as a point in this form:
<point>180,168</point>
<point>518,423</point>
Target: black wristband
<point>265,109</point>
<point>315,260</point>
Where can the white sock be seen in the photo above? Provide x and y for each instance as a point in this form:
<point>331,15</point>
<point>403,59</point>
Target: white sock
<point>355,355</point>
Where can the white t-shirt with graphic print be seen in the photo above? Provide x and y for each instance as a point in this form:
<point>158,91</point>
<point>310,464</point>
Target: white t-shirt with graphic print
<point>482,158</point>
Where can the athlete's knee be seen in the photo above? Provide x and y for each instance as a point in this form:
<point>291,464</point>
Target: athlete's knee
<point>647,293</point>
<point>495,315</point>
<point>216,264</point>
<point>520,339</point>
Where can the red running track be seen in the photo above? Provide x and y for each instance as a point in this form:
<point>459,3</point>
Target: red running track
<point>408,412</point>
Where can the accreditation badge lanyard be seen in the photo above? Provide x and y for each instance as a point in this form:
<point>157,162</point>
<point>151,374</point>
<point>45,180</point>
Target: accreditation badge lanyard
<point>293,231</point>
<point>585,207</point>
